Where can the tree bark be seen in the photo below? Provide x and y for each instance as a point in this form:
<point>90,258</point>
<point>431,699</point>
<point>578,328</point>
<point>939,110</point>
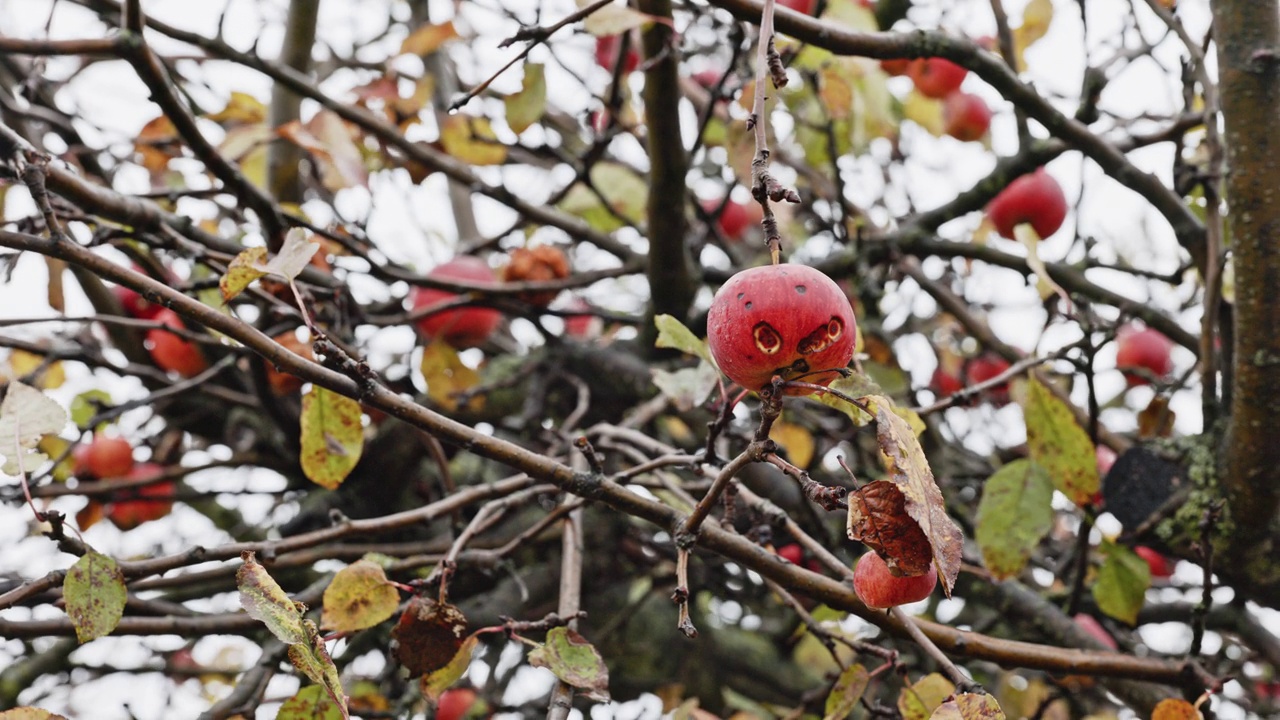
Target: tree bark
<point>284,157</point>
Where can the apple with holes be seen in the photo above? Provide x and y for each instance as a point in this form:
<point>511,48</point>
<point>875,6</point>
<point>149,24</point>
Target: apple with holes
<point>878,588</point>
<point>461,327</point>
<point>789,320</point>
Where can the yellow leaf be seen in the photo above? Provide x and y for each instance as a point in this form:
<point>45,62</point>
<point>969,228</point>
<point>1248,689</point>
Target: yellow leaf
<point>835,91</point>
<point>471,140</point>
<point>1036,18</point>
<point>428,38</point>
<point>796,440</point>
<point>612,20</point>
<point>925,112</point>
<point>241,108</point>
<point>24,363</point>
<point>446,375</point>
<point>332,436</point>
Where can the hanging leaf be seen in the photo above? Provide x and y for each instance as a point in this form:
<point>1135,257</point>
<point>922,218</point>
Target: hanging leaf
<point>796,440</point>
<point>471,140</point>
<point>673,334</point>
<point>687,388</point>
<point>1015,514</point>
<point>244,268</point>
<point>95,595</point>
<point>612,20</point>
<point>919,700</point>
<point>429,635</point>
<point>332,436</point>
<point>878,518</point>
<point>1045,286</point>
<point>428,38</point>
<point>624,194</point>
<point>309,703</point>
<point>359,597</point>
<point>30,713</point>
<point>846,693</point>
<point>25,415</point>
<point>341,163</point>
<point>835,89</point>
<point>265,601</point>
<point>157,143</point>
<point>969,706</point>
<point>1036,18</point>
<point>88,404</point>
<point>1057,443</point>
<point>925,112</point>
<point>312,659</point>
<point>908,468</point>
<point>241,108</point>
<point>574,661</point>
<point>49,376</point>
<point>1122,582</point>
<point>1156,419</point>
<point>447,376</point>
<point>855,385</point>
<point>527,106</point>
<point>433,684</point>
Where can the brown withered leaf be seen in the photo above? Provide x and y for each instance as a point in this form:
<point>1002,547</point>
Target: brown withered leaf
<point>878,518</point>
<point>1156,419</point>
<point>429,635</point>
<point>907,467</point>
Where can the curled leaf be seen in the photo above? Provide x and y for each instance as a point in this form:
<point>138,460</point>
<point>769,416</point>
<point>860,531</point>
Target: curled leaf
<point>429,635</point>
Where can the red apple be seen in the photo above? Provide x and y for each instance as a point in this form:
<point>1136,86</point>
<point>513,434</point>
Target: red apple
<point>1159,564</point>
<point>967,117</point>
<point>1143,349</point>
<point>582,327</point>
<point>1095,630</point>
<point>804,7</point>
<point>105,457</point>
<point>153,502</point>
<point>983,368</point>
<point>792,553</point>
<point>171,352</point>
<point>282,383</point>
<point>788,320</point>
<point>898,66</point>
<point>455,703</point>
<point>462,327</point>
<point>735,219</point>
<point>1035,198</point>
<point>134,303</point>
<point>878,588</point>
<point>607,54</point>
<point>945,384</point>
<point>936,77</point>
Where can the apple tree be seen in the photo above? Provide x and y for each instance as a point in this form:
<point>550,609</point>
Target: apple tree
<point>407,359</point>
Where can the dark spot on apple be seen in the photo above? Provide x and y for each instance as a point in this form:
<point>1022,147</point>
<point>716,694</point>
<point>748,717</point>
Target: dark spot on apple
<point>748,305</point>
<point>800,289</point>
<point>740,295</point>
<point>821,338</point>
<point>767,339</point>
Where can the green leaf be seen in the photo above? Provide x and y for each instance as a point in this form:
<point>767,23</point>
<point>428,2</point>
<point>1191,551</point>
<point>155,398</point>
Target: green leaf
<point>575,661</point>
<point>312,659</point>
<point>527,106</point>
<point>855,385</point>
<point>1015,513</point>
<point>673,334</point>
<point>25,415</point>
<point>845,694</point>
<point>1055,441</point>
<point>471,139</point>
<point>95,595</point>
<point>359,597</point>
<point>687,388</point>
<point>625,192</point>
<point>434,683</point>
<point>1122,582</point>
<point>265,601</point>
<point>332,436</point>
<point>309,703</point>
<point>87,404</point>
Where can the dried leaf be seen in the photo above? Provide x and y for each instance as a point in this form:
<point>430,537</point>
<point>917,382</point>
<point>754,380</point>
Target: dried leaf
<point>878,518</point>
<point>919,700</point>
<point>846,693</point>
<point>312,659</point>
<point>30,713</point>
<point>1036,18</point>
<point>25,415</point>
<point>1171,709</point>
<point>95,595</point>
<point>1156,419</point>
<point>907,467</point>
<point>54,294</point>
<point>527,106</point>
<point>341,163</point>
<point>835,90</point>
<point>359,597</point>
<point>25,363</point>
<point>157,143</point>
<point>472,140</point>
<point>265,601</point>
<point>294,256</point>
<point>575,661</point>
<point>429,635</point>
<point>969,706</point>
<point>447,376</point>
<point>1045,286</point>
<point>1015,514</point>
<point>434,683</point>
<point>332,436</point>
<point>673,334</point>
<point>1122,582</point>
<point>245,267</point>
<point>1062,447</point>
<point>428,38</point>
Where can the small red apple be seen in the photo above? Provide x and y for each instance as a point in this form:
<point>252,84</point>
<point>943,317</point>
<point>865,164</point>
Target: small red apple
<point>897,66</point>
<point>966,116</point>
<point>1158,563</point>
<point>1143,349</point>
<point>581,327</point>
<point>455,703</point>
<point>788,320</point>
<point>282,383</point>
<point>1035,198</point>
<point>1090,625</point>
<point>878,588</point>
<point>944,383</point>
<point>171,352</point>
<point>607,48</point>
<point>804,7</point>
<point>153,502</point>
<point>792,553</point>
<point>461,327</point>
<point>983,368</point>
<point>735,219</point>
<point>936,77</point>
<point>105,457</point>
<point>134,303</point>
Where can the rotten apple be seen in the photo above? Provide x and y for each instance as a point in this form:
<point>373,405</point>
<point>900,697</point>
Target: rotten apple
<point>878,588</point>
<point>788,320</point>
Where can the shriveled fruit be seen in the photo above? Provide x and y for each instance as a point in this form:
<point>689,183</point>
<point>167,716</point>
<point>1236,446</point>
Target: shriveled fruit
<point>542,262</point>
<point>153,501</point>
<point>105,457</point>
<point>1036,198</point>
<point>878,588</point>
<point>788,320</point>
<point>171,352</point>
<point>461,327</point>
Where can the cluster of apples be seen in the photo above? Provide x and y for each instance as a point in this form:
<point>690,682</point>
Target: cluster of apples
<point>470,326</point>
<point>170,352</point>
<point>965,116</point>
<point>109,457</point>
<point>973,371</point>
